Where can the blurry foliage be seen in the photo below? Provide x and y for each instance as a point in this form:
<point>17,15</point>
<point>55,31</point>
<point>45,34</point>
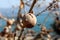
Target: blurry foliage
<point>56,29</point>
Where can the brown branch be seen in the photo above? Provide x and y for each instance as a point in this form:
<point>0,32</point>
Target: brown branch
<point>32,5</point>
<point>20,34</point>
<point>19,13</point>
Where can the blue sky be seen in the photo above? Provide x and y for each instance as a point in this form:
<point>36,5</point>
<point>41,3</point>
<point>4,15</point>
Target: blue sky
<point>9,3</point>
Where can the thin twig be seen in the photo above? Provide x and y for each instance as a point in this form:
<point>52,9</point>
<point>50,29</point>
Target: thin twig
<point>46,8</point>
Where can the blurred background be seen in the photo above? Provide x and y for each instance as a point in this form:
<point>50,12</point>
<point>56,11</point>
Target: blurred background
<point>9,9</point>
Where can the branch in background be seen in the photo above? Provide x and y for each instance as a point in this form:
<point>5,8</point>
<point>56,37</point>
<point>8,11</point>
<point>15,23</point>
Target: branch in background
<point>32,5</point>
<point>49,8</point>
<point>19,12</point>
<point>21,4</point>
<point>27,4</point>
<point>3,17</point>
<point>20,16</point>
